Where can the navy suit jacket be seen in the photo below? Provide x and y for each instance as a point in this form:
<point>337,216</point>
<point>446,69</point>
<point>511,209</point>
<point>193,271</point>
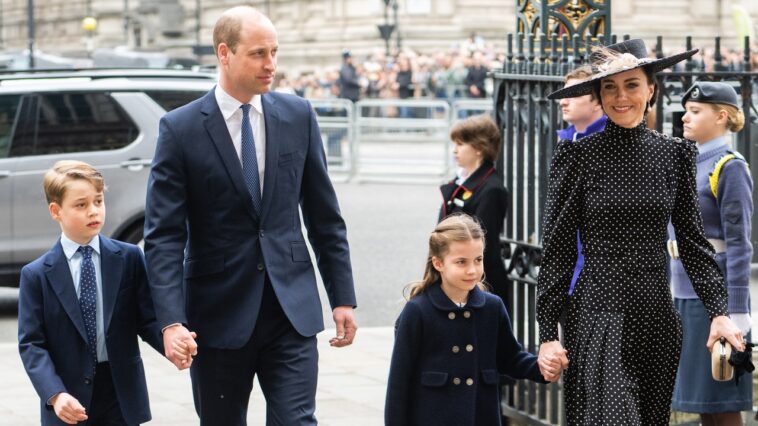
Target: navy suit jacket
<point>208,250</point>
<point>52,339</point>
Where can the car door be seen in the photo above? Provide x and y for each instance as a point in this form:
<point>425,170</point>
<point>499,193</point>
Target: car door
<point>9,108</point>
<point>87,126</point>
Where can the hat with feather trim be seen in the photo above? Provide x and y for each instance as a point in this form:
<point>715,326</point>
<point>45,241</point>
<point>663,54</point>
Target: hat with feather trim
<point>617,58</point>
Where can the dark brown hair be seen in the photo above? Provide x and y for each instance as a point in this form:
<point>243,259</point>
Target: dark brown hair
<point>481,132</point>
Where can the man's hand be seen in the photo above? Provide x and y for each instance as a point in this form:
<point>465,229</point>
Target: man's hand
<point>722,326</point>
<point>68,408</point>
<point>552,360</point>
<point>344,320</point>
<point>180,346</point>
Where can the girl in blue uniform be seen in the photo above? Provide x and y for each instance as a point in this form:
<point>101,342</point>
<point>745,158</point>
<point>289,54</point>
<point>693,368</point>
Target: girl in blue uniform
<point>453,339</point>
<point>724,188</point>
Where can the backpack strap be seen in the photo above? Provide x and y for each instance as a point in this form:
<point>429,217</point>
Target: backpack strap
<point>713,177</point>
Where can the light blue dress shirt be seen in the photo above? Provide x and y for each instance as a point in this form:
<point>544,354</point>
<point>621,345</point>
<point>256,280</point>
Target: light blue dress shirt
<point>70,249</point>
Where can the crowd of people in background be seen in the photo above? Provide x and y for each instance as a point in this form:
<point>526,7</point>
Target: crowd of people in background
<point>456,73</point>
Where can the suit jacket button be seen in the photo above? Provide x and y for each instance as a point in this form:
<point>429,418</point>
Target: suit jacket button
<point>260,234</point>
<point>469,381</point>
<point>456,349</point>
<point>87,381</point>
<point>456,381</point>
<point>260,266</point>
<point>466,314</point>
<point>469,348</point>
<point>451,315</point>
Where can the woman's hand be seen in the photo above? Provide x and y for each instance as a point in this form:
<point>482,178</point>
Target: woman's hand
<point>552,359</point>
<point>722,326</point>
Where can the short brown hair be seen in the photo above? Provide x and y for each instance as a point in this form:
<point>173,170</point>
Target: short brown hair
<point>63,172</point>
<point>582,73</point>
<point>481,132</point>
<point>227,31</point>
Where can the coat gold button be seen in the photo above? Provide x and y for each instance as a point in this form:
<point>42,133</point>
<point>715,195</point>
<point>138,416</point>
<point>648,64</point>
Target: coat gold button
<point>469,381</point>
<point>456,349</point>
<point>466,314</point>
<point>456,381</point>
<point>469,348</point>
<point>451,315</point>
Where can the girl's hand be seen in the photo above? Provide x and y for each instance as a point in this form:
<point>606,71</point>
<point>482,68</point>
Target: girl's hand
<point>722,326</point>
<point>552,359</point>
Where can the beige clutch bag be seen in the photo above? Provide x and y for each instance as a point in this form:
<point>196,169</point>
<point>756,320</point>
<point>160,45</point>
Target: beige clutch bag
<point>720,367</point>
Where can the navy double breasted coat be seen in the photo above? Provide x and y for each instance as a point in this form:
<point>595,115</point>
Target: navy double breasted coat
<point>447,361</point>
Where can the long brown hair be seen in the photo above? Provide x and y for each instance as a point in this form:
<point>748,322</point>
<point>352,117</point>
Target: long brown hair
<point>455,228</point>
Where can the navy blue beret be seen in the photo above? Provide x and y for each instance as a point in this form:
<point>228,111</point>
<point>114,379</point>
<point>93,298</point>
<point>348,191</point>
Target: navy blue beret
<point>711,93</point>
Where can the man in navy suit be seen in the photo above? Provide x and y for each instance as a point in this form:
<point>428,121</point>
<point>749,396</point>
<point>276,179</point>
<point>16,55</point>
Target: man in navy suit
<point>80,308</point>
<point>226,256</point>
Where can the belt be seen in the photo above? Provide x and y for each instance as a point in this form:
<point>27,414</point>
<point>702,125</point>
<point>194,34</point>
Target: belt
<point>719,246</point>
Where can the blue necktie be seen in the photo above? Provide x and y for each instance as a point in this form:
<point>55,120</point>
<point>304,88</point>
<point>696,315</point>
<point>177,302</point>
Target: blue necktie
<point>88,299</point>
<point>249,160</point>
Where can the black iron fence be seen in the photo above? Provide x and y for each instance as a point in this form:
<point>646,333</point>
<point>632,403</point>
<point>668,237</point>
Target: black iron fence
<point>533,68</point>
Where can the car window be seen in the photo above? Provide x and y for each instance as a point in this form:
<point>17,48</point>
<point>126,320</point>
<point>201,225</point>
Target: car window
<point>172,99</point>
<point>72,122</point>
<point>8,110</point>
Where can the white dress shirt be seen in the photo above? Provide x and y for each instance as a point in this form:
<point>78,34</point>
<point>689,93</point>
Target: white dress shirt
<point>71,251</point>
<point>232,113</point>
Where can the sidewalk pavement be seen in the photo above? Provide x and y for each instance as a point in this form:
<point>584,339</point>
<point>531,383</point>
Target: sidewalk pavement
<point>351,385</point>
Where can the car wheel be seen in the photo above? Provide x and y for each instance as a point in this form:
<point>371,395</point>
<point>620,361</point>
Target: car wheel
<point>135,235</point>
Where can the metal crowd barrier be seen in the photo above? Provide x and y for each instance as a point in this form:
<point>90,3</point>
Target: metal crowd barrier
<point>391,139</point>
<point>335,119</point>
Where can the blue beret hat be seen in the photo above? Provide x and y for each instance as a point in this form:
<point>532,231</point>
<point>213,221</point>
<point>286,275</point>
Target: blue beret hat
<point>711,93</point>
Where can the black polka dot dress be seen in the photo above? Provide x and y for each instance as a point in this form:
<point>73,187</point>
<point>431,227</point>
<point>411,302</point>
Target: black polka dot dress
<point>620,188</point>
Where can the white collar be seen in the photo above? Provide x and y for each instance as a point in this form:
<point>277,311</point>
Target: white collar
<point>70,247</point>
<point>229,105</point>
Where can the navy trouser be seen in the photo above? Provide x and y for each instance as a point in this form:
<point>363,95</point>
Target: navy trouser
<point>104,409</point>
<point>286,364</point>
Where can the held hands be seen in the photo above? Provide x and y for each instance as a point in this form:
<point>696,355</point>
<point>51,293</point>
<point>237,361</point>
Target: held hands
<point>552,360</point>
<point>723,326</point>
<point>344,320</point>
<point>180,346</point>
<point>68,408</point>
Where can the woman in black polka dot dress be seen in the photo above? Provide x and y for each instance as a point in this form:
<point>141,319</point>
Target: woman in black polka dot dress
<point>620,188</point>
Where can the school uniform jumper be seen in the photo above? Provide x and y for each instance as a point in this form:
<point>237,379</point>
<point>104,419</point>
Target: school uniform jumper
<point>446,361</point>
<point>620,188</point>
<point>726,218</point>
<point>483,196</point>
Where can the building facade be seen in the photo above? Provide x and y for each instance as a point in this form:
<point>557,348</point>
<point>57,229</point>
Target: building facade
<point>312,33</point>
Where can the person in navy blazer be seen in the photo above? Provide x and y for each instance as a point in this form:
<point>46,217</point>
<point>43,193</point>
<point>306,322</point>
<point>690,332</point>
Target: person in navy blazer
<point>226,256</point>
<point>52,335</point>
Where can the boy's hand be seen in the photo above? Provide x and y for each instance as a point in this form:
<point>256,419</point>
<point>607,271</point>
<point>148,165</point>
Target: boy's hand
<point>180,345</point>
<point>68,408</point>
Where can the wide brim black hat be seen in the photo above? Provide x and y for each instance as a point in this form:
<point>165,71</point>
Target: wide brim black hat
<point>602,69</point>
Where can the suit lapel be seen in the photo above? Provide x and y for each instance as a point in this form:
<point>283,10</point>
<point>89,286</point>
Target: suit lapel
<point>111,267</point>
<point>271,118</point>
<point>59,276</point>
<point>219,133</point>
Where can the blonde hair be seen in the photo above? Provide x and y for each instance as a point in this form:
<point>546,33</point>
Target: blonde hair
<point>59,177</point>
<point>735,119</point>
<point>481,132</point>
<point>455,228</point>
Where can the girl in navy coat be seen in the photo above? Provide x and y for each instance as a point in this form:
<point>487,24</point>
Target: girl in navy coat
<point>724,189</point>
<point>453,339</point>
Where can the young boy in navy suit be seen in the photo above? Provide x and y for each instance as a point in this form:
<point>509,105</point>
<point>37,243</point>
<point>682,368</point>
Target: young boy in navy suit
<point>81,306</point>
